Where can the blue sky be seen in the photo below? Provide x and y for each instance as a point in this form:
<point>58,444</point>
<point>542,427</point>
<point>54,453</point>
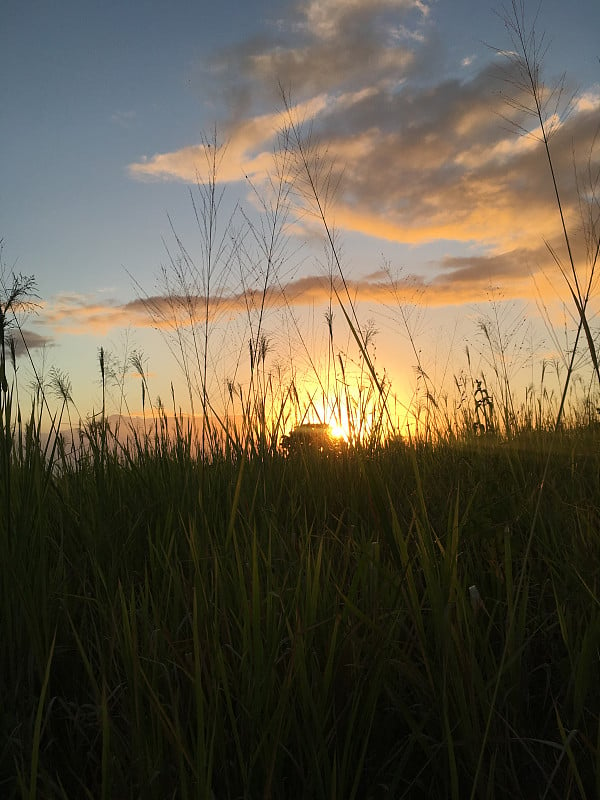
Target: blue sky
<point>104,105</point>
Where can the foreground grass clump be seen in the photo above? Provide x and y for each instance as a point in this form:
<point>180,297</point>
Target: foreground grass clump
<point>308,627</point>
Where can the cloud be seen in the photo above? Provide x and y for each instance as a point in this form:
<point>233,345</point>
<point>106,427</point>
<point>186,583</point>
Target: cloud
<point>339,45</point>
<point>588,101</point>
<point>302,57</point>
<point>248,151</point>
<point>420,157</point>
<point>80,314</point>
<point>458,280</point>
<point>34,341</point>
<point>440,163</point>
<point>325,18</point>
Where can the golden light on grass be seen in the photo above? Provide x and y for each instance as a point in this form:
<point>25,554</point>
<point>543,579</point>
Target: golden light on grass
<point>341,413</point>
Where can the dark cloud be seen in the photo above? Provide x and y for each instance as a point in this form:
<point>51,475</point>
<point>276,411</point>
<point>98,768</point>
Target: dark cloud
<point>34,341</point>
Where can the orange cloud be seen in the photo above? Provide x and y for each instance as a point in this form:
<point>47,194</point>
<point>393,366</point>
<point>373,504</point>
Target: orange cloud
<point>248,151</point>
<point>421,166</point>
<point>458,280</point>
<point>415,162</point>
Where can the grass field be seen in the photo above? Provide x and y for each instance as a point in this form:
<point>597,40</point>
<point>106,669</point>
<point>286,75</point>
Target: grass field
<point>189,613</point>
<point>407,620</point>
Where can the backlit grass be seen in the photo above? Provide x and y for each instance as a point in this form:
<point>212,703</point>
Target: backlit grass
<point>301,627</point>
<point>188,613</point>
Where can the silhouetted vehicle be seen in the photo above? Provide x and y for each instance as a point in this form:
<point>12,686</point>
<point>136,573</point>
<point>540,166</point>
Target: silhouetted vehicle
<point>317,437</point>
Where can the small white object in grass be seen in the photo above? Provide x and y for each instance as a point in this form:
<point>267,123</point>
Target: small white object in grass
<point>476,601</point>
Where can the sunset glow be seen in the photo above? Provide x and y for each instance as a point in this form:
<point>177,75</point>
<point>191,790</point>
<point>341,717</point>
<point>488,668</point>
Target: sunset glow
<point>374,163</point>
<point>300,399</point>
<point>339,433</point>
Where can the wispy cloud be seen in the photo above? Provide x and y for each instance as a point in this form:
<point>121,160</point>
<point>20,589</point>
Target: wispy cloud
<point>249,151</point>
<point>458,281</point>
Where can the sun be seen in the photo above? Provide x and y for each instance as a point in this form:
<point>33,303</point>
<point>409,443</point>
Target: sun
<point>337,432</point>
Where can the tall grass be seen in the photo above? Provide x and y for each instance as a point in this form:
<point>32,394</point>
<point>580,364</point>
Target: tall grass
<point>303,627</point>
<point>184,623</point>
<point>192,614</point>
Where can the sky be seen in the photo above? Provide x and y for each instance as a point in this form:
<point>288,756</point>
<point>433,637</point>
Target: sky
<point>442,214</point>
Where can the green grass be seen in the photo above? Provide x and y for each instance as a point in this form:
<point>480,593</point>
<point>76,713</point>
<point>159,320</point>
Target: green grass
<point>410,619</point>
<point>302,627</point>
